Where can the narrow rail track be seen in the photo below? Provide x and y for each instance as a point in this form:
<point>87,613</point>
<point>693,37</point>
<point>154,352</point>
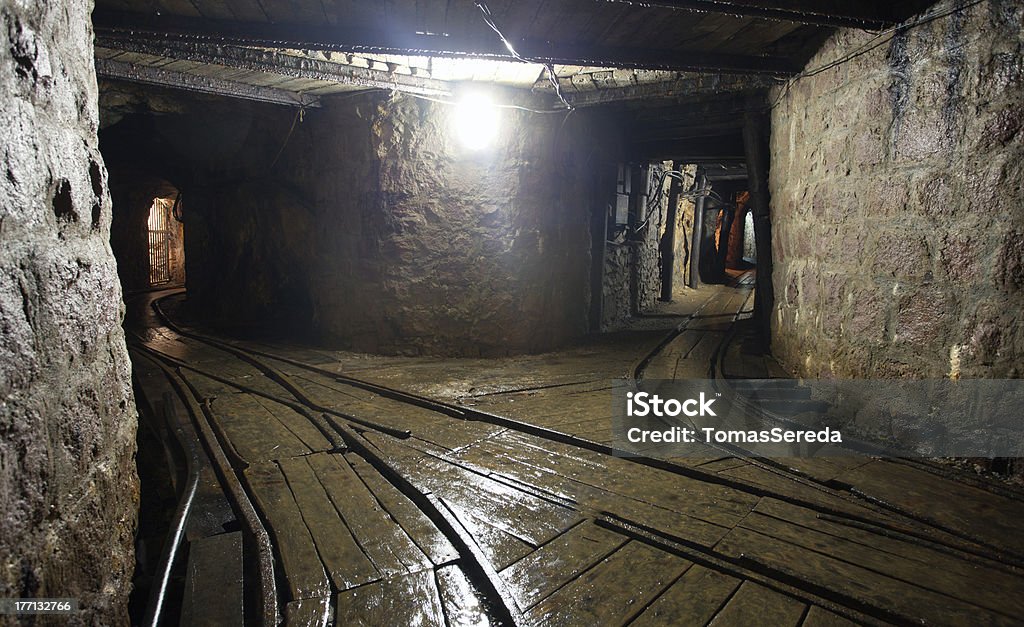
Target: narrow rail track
<point>964,541</point>
<point>497,520</point>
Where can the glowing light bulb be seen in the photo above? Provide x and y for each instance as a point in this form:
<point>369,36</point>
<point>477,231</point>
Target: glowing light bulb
<point>476,121</point>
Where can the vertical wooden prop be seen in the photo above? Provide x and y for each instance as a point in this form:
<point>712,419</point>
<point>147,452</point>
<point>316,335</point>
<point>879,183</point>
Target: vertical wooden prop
<point>668,240</point>
<point>698,232</point>
<point>755,146</point>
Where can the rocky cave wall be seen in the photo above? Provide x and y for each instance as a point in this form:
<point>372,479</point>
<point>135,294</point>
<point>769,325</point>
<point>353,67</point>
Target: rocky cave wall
<point>68,487</point>
<point>374,230</point>
<point>647,250</point>
<point>896,194</point>
<point>633,262</point>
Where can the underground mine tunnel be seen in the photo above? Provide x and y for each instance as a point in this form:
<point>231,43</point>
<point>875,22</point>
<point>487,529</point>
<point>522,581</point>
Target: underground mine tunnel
<point>546,312</point>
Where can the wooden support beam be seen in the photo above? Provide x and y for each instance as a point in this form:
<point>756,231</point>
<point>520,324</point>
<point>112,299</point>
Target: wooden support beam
<point>698,235</point>
<point>486,45</point>
<point>694,150</point>
<point>688,87</point>
<point>698,109</point>
<point>665,131</point>
<point>868,14</point>
<point>145,74</point>
<point>708,252</point>
<point>668,240</point>
<point>729,213</point>
<point>272,62</point>
<point>755,139</point>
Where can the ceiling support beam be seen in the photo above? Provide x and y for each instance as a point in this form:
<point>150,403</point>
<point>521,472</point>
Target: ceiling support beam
<point>867,14</point>
<point>311,37</point>
<point>134,73</point>
<point>695,150</point>
<point>676,131</point>
<point>272,62</point>
<point>687,87</point>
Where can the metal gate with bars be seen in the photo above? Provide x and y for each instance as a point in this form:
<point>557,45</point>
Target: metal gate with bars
<point>159,242</point>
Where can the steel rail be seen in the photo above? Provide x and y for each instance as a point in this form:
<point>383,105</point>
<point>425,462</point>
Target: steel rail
<point>981,549</point>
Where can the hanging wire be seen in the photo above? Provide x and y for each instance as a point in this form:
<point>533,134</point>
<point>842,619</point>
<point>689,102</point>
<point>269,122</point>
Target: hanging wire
<point>299,115</point>
<point>176,208</point>
<point>488,18</point>
<point>499,106</point>
<point>880,39</point>
<point>654,199</point>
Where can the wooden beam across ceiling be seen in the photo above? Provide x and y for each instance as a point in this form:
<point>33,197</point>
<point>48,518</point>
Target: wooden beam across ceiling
<point>692,150</point>
<point>273,62</point>
<point>867,14</point>
<point>318,37</point>
<point>683,87</point>
<point>135,73</point>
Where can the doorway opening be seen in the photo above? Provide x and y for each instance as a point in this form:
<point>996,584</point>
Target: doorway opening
<point>166,243</point>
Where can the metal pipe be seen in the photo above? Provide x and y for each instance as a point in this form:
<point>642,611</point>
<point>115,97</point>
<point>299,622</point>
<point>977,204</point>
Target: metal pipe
<point>159,593</point>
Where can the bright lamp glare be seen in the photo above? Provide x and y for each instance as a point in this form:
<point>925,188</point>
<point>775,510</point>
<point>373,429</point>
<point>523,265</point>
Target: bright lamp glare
<point>476,121</point>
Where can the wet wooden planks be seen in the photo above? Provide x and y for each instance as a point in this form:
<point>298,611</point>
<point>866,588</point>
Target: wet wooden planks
<point>974,581</point>
<point>990,517</point>
<point>339,525</point>
<point>613,591</point>
<point>258,434</point>
<point>564,469</point>
<point>693,599</point>
<point>409,599</point>
<point>536,576</point>
<point>529,503</point>
<point>213,585</point>
<point>385,543</point>
<point>346,563</point>
<point>754,604</point>
<point>303,570</point>
<point>462,604</point>
<point>858,583</point>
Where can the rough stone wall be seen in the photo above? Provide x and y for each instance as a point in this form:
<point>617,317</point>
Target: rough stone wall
<point>482,251</point>
<point>175,244</point>
<point>376,231</point>
<point>647,251</point>
<point>68,488</point>
<point>897,217</point>
<point>632,267</point>
<point>617,308</point>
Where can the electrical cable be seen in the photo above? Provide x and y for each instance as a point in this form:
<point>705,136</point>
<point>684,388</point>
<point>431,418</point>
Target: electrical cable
<point>488,18</point>
<point>299,115</point>
<point>499,106</point>
<point>176,209</point>
<point>870,45</point>
<point>654,199</point>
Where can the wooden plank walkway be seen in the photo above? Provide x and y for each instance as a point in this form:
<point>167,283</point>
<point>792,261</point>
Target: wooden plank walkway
<point>467,521</point>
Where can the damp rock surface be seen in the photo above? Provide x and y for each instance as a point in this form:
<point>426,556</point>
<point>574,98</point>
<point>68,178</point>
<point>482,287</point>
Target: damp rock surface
<point>376,230</point>
<point>68,487</point>
<point>896,199</point>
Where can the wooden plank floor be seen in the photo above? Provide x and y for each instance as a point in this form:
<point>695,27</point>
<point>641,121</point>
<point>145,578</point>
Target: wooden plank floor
<point>466,521</point>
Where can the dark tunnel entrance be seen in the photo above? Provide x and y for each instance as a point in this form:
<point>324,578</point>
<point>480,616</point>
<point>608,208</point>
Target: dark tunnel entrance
<point>147,234</point>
